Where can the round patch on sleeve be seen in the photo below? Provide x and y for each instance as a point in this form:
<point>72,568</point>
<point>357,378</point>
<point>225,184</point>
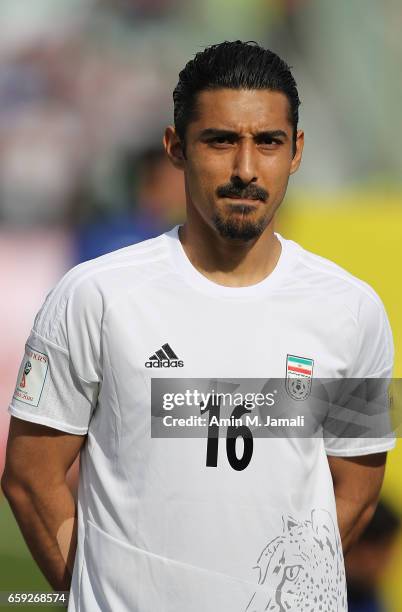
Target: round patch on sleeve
<point>31,377</point>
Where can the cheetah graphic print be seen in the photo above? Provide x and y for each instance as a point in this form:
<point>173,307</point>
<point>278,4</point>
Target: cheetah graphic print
<point>302,569</point>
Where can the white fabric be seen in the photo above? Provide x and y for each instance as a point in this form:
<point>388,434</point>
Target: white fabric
<point>159,531</point>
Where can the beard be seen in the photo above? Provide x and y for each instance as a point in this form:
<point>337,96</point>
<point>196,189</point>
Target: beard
<point>237,226</point>
<point>237,222</point>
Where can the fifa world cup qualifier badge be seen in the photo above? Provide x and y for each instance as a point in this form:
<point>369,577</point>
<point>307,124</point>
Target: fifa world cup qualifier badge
<point>31,377</point>
<point>299,374</point>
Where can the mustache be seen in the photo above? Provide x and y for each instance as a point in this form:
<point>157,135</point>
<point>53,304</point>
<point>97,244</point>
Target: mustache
<point>247,192</point>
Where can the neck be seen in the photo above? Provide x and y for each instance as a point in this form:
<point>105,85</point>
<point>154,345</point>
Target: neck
<point>232,263</point>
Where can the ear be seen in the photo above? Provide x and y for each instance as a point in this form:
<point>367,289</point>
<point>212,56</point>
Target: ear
<point>294,166</point>
<point>174,147</point>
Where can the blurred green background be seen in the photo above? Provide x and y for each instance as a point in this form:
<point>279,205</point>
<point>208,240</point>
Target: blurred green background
<point>85,93</point>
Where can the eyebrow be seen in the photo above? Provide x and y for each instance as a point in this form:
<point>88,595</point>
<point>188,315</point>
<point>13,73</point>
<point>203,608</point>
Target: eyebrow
<point>215,132</point>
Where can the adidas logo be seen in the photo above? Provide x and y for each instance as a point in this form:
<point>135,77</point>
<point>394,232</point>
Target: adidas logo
<point>165,357</point>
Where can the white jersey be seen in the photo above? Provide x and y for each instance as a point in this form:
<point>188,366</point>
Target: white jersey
<point>164,527</point>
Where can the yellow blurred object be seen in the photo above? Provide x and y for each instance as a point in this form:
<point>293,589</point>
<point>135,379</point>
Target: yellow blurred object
<point>362,232</point>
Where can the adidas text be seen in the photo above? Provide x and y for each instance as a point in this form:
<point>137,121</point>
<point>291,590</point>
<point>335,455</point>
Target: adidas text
<point>165,363</point>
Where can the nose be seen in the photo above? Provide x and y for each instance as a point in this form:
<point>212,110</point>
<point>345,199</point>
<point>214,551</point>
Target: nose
<point>244,163</point>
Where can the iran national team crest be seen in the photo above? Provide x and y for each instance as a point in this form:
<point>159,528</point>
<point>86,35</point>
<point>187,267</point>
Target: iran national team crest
<point>299,373</point>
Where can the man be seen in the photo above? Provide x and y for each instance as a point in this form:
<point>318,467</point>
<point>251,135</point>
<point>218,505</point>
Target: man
<point>183,523</point>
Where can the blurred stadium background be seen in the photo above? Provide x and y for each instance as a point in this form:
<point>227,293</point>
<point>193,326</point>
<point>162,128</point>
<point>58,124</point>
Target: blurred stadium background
<point>85,93</point>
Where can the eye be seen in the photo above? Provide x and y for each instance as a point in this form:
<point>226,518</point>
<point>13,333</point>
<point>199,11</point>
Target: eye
<point>269,143</point>
<point>221,141</point>
<point>292,571</point>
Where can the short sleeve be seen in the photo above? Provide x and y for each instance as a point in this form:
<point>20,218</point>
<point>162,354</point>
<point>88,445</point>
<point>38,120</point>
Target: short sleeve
<point>373,358</point>
<point>60,373</point>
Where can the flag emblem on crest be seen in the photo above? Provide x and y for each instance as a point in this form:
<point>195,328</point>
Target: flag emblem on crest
<point>299,373</point>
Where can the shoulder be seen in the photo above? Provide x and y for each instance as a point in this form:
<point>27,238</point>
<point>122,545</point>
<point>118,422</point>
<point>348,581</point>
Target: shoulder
<point>329,280</point>
<point>135,257</point>
<point>348,303</point>
<point>86,288</point>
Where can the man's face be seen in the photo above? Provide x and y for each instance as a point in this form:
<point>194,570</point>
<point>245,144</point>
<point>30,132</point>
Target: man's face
<point>238,158</point>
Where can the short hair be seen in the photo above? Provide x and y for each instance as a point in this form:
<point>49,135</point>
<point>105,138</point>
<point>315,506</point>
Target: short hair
<point>233,65</point>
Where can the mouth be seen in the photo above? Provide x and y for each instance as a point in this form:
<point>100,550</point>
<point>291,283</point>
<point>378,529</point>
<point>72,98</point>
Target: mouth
<point>243,200</point>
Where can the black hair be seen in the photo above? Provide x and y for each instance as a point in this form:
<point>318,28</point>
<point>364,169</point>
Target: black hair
<point>233,65</point>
